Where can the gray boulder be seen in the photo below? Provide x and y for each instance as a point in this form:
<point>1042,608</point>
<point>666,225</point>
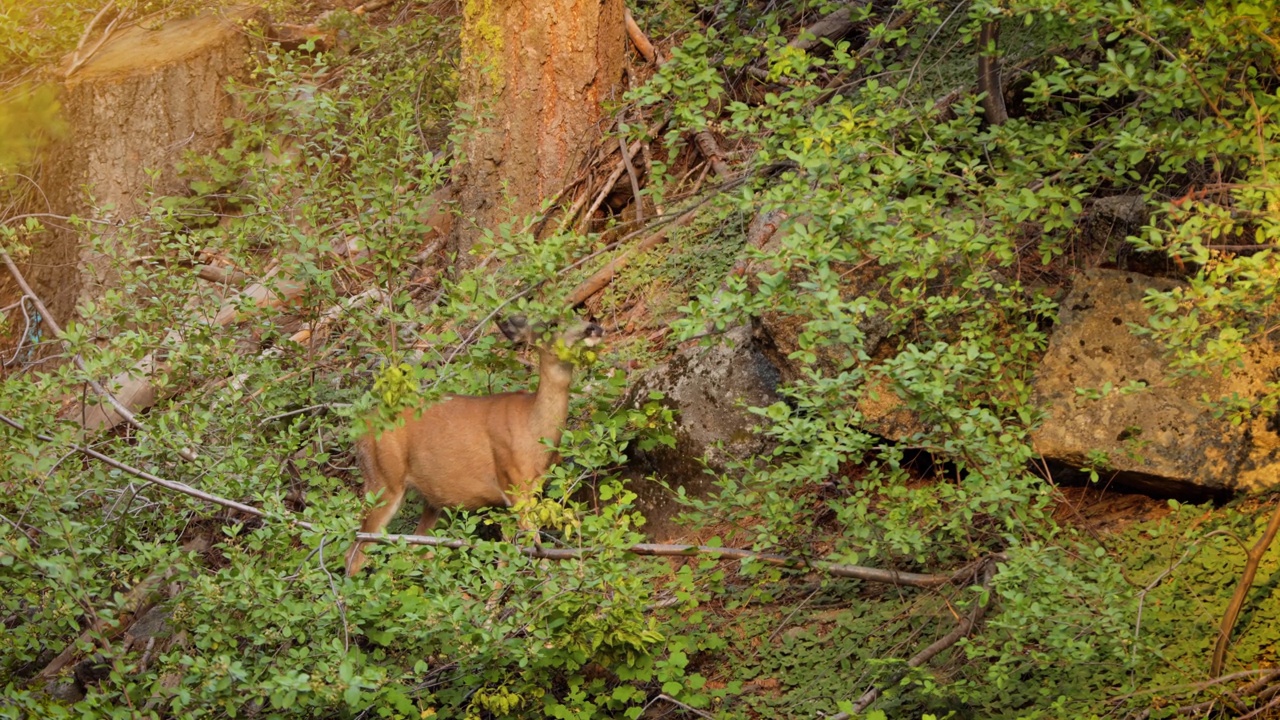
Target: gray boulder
<point>709,390</point>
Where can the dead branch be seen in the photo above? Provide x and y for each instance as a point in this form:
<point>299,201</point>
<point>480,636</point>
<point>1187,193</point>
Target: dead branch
<point>704,141</point>
<point>605,275</point>
<point>635,181</point>
<point>829,27</point>
<point>609,183</point>
<point>832,26</point>
<point>136,602</point>
<point>221,275</point>
<point>153,479</point>
<point>1254,557</point>
<point>639,39</point>
<point>964,575</point>
<point>846,79</point>
<point>77,60</point>
<point>962,629</point>
<point>1264,682</point>
<point>762,228</point>
<point>989,74</point>
<point>667,698</point>
<point>124,413</point>
<point>319,329</point>
<point>711,151</point>
<point>759,232</point>
<point>371,6</point>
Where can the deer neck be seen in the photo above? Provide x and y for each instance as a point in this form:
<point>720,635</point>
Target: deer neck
<point>551,401</point>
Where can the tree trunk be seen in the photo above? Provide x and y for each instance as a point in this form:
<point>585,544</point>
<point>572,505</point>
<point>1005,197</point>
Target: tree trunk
<point>536,76</point>
<point>144,98</point>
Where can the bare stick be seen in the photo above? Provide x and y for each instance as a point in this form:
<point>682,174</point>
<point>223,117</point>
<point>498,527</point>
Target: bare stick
<point>1242,590</point>
<point>153,479</point>
<point>829,27</point>
<point>371,6</point>
<point>605,275</point>
<point>761,229</point>
<point>57,330</point>
<point>667,698</point>
<point>221,275</point>
<point>635,182</point>
<point>711,151</point>
<point>610,181</point>
<point>989,75</point>
<point>639,39</point>
<point>962,628</point>
<point>857,572</point>
<point>77,60</point>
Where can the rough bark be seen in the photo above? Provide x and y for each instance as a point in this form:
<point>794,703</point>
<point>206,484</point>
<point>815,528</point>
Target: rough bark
<point>137,104</point>
<point>536,75</point>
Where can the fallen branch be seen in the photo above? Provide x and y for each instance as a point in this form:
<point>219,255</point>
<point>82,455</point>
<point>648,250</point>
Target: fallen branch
<point>639,39</point>
<point>609,183</point>
<point>962,629</point>
<point>667,698</point>
<point>848,78</point>
<point>221,275</point>
<point>857,572</point>
<point>371,6</point>
<point>832,26</point>
<point>759,232</point>
<point>77,60</point>
<point>136,602</point>
<point>1254,557</point>
<point>124,412</point>
<point>711,151</point>
<point>154,479</point>
<point>635,181</point>
<point>318,330</point>
<point>853,572</point>
<point>703,140</point>
<point>762,228</point>
<point>1265,677</point>
<point>605,275</point>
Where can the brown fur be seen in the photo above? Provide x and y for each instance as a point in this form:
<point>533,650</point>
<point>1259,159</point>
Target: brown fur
<point>471,452</point>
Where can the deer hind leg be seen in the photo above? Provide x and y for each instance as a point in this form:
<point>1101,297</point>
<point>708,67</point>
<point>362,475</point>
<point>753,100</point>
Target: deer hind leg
<point>375,522</point>
<point>430,514</point>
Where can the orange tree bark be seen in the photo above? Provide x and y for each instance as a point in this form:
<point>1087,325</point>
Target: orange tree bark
<point>537,76</point>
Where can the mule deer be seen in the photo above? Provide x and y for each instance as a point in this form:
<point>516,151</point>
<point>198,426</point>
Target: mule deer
<point>474,452</point>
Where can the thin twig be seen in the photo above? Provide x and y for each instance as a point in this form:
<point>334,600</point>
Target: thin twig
<point>1254,557</point>
<point>19,528</point>
<point>77,60</point>
<point>854,572</point>
<point>635,181</point>
<point>667,698</point>
<point>45,316</point>
<point>857,572</point>
<point>337,599</point>
<point>153,479</point>
<point>962,629</point>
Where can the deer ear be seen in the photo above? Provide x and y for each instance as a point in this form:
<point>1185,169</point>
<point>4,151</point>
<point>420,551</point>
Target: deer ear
<point>517,329</point>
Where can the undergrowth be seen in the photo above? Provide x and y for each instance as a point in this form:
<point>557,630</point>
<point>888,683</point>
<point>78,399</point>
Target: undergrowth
<point>915,259</point>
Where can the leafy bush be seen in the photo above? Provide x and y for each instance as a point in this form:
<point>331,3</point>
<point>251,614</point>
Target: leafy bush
<point>919,262</point>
